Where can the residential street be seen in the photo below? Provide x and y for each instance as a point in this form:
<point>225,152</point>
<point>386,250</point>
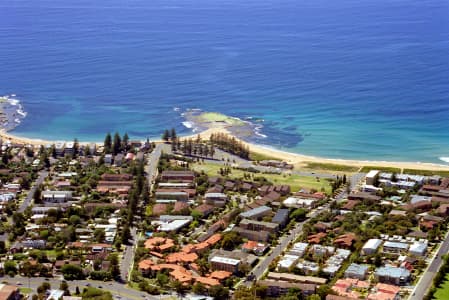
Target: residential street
<point>29,198</point>
<point>118,290</point>
<point>426,279</point>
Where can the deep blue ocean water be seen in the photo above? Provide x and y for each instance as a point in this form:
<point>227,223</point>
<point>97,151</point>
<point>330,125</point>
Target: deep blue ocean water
<point>361,79</point>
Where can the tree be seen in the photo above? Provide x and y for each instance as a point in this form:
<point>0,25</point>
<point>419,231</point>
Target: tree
<point>125,142</point>
<point>117,144</point>
<point>107,143</point>
<point>76,147</point>
<point>166,135</point>
<point>10,267</point>
<point>231,240</point>
<point>298,214</point>
<point>37,194</point>
<point>72,272</point>
<point>162,279</point>
<point>219,292</point>
<point>199,288</point>
<point>173,134</point>
<point>64,287</point>
<point>74,220</point>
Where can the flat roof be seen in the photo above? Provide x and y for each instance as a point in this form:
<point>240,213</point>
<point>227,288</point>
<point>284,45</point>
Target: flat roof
<point>225,260</point>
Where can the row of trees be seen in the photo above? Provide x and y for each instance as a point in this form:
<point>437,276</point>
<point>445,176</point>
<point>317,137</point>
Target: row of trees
<point>116,145</point>
<point>230,144</point>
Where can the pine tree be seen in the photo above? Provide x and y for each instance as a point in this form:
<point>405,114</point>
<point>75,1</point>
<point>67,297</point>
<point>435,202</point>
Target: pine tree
<point>125,142</point>
<point>117,145</point>
<point>108,143</point>
<point>173,134</point>
<point>166,135</point>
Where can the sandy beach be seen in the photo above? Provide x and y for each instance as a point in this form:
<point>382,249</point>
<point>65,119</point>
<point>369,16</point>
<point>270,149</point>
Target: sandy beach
<point>296,159</point>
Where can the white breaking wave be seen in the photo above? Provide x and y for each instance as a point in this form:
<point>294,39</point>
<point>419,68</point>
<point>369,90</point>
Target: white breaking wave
<point>187,124</point>
<point>444,158</point>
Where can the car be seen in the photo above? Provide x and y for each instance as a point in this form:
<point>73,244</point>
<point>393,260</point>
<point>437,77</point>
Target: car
<point>100,287</point>
<point>18,283</point>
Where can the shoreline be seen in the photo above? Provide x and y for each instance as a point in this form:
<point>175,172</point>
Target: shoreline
<point>297,159</point>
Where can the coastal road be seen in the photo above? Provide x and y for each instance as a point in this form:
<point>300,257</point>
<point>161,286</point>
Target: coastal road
<point>29,198</point>
<point>118,290</point>
<point>284,242</point>
<point>425,282</point>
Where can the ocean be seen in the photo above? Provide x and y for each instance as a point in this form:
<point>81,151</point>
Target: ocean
<point>355,79</point>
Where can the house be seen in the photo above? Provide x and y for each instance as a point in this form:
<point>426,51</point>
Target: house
<point>259,226</point>
<point>418,249</point>
<point>392,275</point>
<point>345,240</point>
<point>181,207</point>
<point>216,199</point>
<point>9,292</point>
<point>224,264</point>
<point>260,236</point>
<point>205,209</point>
<point>296,278</point>
<point>363,196</point>
<point>298,202</point>
<point>172,195</point>
<point>177,176</point>
<point>371,246</point>
<point>316,238</point>
<point>384,291</point>
<point>357,271</point>
<point>229,261</point>
<point>372,177</point>
<point>395,247</point>
<point>298,249</point>
<point>281,217</point>
<point>254,247</point>
<point>279,288</point>
<point>169,223</point>
<point>34,243</point>
<point>56,196</point>
<point>287,262</point>
<point>256,213</point>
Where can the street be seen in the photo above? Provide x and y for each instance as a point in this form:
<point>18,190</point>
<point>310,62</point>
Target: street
<point>29,198</point>
<point>118,290</point>
<point>425,282</point>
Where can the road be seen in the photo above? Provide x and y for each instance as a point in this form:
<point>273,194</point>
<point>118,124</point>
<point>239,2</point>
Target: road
<point>284,242</point>
<point>127,260</point>
<point>153,161</point>
<point>425,282</point>
<point>118,290</point>
<point>29,198</point>
<point>128,256</point>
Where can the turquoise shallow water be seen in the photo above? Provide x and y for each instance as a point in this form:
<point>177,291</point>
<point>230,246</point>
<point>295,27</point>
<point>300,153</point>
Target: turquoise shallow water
<point>348,79</point>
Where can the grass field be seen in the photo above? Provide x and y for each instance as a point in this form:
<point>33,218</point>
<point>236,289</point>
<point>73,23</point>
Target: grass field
<point>296,182</point>
<point>366,169</point>
<point>331,167</point>
<point>427,173</point>
<point>442,292</point>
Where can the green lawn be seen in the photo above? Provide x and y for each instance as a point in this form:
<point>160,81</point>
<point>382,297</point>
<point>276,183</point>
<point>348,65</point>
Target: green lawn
<point>295,181</point>
<point>331,167</point>
<point>442,292</point>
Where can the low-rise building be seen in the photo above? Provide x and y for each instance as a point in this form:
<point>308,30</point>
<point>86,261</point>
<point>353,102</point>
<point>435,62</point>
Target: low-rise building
<point>418,249</point>
<point>356,271</point>
<point>281,217</point>
<point>259,226</point>
<point>395,247</point>
<point>278,288</point>
<point>56,196</point>
<point>256,213</point>
<point>371,246</point>
<point>216,199</point>
<point>392,275</point>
